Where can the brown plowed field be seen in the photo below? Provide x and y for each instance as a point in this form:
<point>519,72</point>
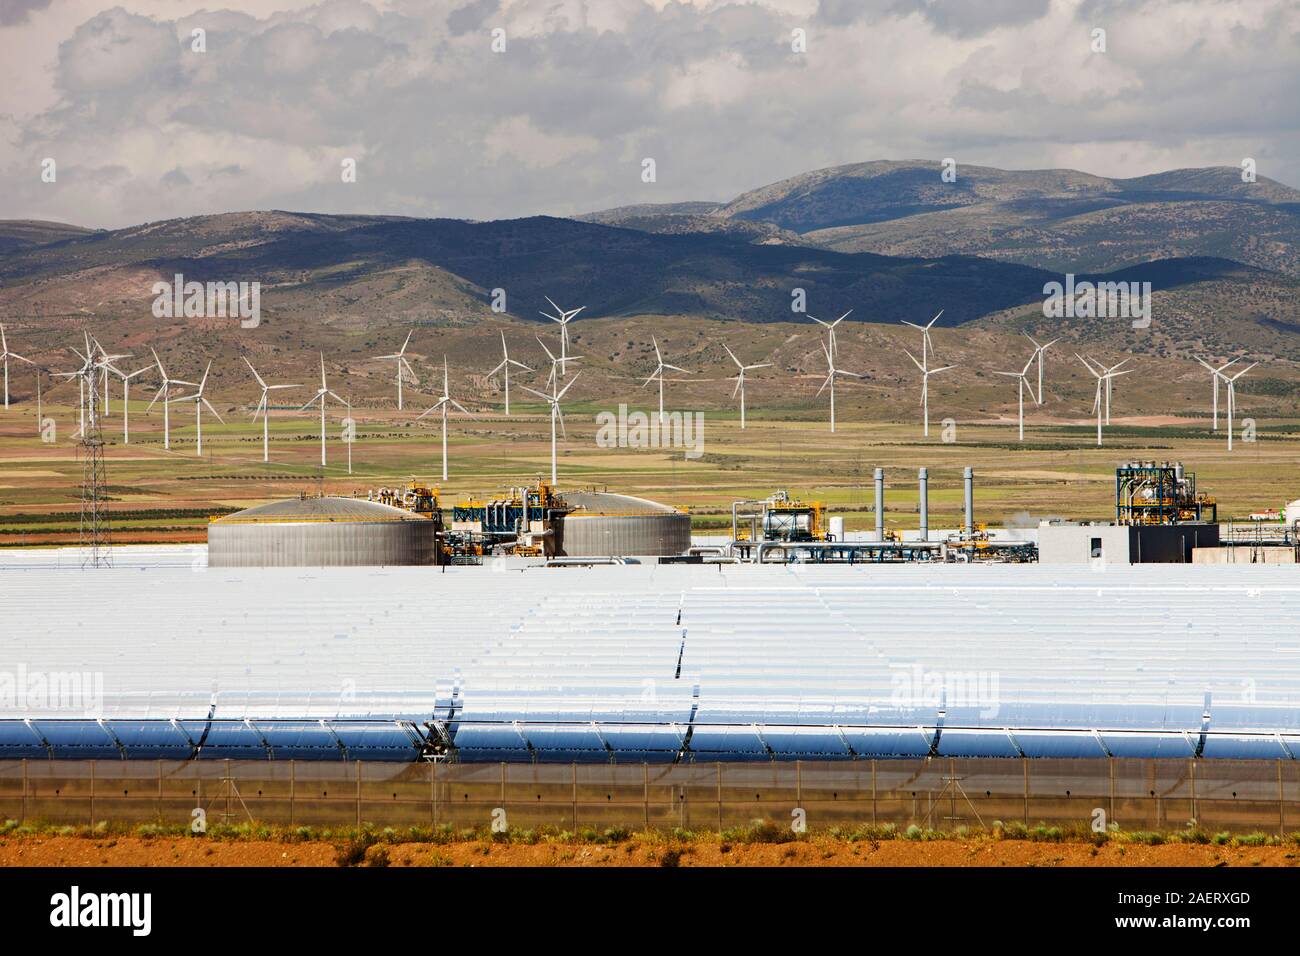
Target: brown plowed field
<point>168,851</point>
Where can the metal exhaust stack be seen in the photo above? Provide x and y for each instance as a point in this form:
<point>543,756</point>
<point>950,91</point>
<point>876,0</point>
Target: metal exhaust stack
<point>968,478</point>
<point>925,504</point>
<point>880,504</point>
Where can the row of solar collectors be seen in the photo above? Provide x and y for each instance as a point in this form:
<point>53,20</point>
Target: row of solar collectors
<point>393,741</point>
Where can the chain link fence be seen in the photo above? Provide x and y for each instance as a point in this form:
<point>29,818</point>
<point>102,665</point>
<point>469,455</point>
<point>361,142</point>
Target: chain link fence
<point>937,793</point>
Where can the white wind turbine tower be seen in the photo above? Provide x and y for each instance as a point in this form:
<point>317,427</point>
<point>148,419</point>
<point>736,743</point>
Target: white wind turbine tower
<point>1110,375</point>
<point>1231,382</point>
<point>404,370</point>
<point>164,392</point>
<point>1022,382</point>
<point>564,318</point>
<point>264,409</point>
<point>552,379</point>
<point>126,397</point>
<point>443,403</point>
<point>925,387</point>
<point>200,400</point>
<point>6,355</point>
<point>1039,353</point>
<point>320,396</point>
<point>658,375</point>
<point>927,347</point>
<point>740,380</point>
<point>1103,377</point>
<point>832,371</point>
<point>506,362</point>
<point>1216,375</point>
<point>553,400</point>
<point>830,330</point>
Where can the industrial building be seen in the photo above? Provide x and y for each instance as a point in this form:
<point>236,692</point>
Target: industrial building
<point>322,532</point>
<point>655,663</point>
<point>1160,518</point>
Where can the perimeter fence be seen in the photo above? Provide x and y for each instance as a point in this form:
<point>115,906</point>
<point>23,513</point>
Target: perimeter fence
<point>938,793</point>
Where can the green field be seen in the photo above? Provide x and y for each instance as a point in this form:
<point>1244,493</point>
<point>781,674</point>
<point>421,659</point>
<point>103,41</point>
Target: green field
<point>159,495</point>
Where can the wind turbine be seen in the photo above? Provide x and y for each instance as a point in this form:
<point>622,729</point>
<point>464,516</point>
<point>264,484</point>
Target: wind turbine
<point>927,347</point>
<point>506,362</point>
<point>126,397</point>
<point>6,356</point>
<point>1109,373</point>
<point>1022,382</point>
<point>200,400</point>
<point>1103,377</point>
<point>1231,382</point>
<point>925,387</point>
<point>553,400</point>
<point>443,403</point>
<point>832,371</point>
<point>320,396</point>
<point>164,391</point>
<point>740,380</point>
<point>564,318</point>
<point>81,375</point>
<point>106,365</point>
<point>404,369</point>
<point>1216,374</point>
<point>830,329</point>
<point>264,408</point>
<point>552,379</point>
<point>1039,351</point>
<point>658,375</point>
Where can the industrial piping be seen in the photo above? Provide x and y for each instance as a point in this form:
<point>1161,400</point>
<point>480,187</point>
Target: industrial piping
<point>968,479</point>
<point>925,504</point>
<point>880,504</point>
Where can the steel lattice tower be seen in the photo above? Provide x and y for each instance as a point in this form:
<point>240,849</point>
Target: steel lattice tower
<point>96,546</point>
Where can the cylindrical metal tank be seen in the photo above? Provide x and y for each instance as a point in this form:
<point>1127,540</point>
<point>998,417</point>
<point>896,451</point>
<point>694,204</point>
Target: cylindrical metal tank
<point>321,532</point>
<point>608,525</point>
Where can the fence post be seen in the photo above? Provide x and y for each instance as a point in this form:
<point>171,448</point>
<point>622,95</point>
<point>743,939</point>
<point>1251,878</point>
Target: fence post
<point>574,796</point>
<point>1024,762</point>
<point>645,793</point>
<point>92,794</point>
<point>433,785</point>
<point>358,764</point>
<point>873,791</point>
<point>1281,805</point>
<point>1191,779</point>
<point>293,786</point>
<point>1110,761</point>
<point>160,791</point>
<point>719,797</point>
<point>22,807</point>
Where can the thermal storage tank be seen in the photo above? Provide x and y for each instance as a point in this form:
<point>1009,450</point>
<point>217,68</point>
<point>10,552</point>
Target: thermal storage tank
<point>601,524</point>
<point>321,532</point>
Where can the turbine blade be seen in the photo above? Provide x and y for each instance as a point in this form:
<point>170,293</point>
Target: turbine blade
<point>254,371</point>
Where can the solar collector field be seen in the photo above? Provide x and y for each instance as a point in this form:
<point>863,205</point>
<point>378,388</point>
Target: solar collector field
<point>592,664</point>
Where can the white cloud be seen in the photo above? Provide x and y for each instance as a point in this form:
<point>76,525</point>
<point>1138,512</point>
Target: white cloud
<point>558,123</point>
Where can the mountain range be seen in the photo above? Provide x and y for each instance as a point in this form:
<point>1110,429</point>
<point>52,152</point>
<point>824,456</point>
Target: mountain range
<point>887,240</point>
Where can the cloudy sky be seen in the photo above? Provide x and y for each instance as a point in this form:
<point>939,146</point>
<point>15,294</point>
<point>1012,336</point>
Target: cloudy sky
<point>143,127</point>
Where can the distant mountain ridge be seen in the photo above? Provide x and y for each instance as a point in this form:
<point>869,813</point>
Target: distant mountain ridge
<point>1058,219</point>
